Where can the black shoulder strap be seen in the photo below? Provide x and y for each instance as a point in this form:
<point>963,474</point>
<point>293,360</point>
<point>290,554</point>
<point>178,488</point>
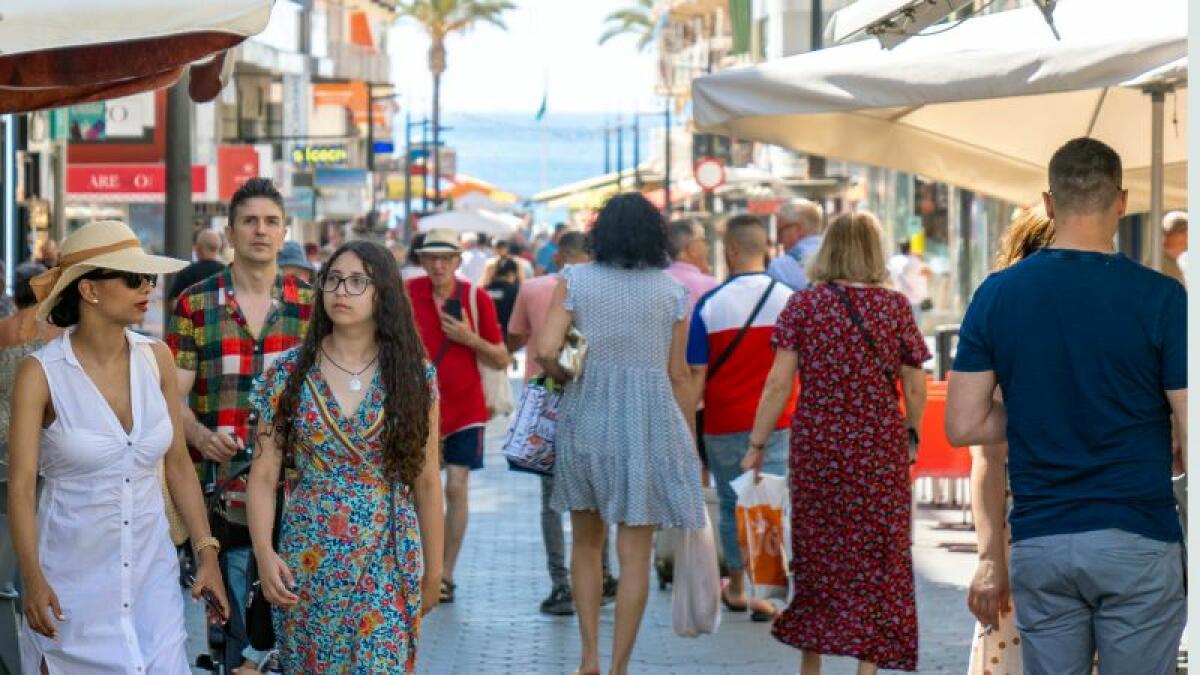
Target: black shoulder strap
<point>712,370</point>
<point>858,323</point>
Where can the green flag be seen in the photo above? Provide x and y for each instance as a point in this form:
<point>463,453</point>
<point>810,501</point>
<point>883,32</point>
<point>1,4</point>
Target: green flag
<point>542,108</point>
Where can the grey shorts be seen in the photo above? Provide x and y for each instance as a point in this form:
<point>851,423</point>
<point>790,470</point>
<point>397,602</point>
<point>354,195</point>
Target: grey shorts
<point>1107,592</point>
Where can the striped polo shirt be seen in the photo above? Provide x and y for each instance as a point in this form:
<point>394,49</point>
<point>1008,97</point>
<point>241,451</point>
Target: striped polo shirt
<point>731,396</point>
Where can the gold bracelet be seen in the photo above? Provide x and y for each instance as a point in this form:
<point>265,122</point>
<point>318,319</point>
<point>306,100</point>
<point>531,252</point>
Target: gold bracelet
<point>207,542</point>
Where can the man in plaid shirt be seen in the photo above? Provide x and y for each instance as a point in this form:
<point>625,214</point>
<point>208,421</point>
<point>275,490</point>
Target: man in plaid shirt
<point>224,331</point>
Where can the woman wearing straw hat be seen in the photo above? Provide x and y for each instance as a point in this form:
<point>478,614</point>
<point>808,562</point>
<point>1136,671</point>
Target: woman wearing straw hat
<point>96,418</point>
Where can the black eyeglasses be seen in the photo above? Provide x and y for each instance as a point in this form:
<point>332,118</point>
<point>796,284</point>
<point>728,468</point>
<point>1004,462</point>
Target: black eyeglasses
<point>356,284</point>
<point>133,280</point>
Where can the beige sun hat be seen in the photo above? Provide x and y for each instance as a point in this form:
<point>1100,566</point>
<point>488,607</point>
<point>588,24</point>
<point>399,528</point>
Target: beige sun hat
<point>440,240</point>
<point>105,244</point>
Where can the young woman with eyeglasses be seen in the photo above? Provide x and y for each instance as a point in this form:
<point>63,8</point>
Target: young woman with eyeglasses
<point>357,559</point>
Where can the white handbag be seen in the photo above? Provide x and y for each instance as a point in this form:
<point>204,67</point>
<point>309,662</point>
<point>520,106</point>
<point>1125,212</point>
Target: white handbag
<point>497,391</point>
<point>696,588</point>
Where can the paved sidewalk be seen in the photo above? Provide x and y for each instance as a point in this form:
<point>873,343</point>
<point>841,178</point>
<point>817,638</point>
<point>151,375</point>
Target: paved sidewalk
<point>495,627</point>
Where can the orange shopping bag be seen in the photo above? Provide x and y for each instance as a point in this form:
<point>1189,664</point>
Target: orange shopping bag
<point>762,536</point>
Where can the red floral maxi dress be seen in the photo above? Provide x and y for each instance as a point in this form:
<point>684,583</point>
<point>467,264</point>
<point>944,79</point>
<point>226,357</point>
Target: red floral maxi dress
<point>851,504</point>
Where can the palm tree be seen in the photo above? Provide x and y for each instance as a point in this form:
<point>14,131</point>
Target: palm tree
<point>440,19</point>
<point>637,20</point>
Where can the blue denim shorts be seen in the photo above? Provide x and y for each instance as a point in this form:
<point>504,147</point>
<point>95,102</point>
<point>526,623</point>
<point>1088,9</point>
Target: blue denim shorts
<point>464,448</point>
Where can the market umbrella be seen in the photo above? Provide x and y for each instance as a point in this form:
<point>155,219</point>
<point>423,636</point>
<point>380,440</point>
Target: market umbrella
<point>59,52</point>
<point>982,105</point>
<point>474,201</point>
<point>485,222</point>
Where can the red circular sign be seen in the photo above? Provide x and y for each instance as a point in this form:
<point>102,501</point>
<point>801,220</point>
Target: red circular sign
<point>709,173</point>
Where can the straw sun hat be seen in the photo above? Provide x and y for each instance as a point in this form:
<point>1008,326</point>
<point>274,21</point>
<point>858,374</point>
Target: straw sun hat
<point>106,244</point>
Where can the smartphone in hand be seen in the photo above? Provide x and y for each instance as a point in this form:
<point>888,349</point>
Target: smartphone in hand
<point>453,308</point>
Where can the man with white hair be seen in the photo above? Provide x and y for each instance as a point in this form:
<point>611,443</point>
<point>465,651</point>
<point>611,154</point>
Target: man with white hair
<point>1175,244</point>
<point>800,225</point>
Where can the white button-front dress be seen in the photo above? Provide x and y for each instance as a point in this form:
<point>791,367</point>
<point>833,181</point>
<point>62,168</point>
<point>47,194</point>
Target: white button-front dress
<point>103,538</point>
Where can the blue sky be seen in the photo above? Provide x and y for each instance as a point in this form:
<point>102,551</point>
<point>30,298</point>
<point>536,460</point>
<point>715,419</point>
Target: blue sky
<point>549,43</point>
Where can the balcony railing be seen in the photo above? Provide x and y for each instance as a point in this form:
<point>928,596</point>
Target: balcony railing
<point>353,62</point>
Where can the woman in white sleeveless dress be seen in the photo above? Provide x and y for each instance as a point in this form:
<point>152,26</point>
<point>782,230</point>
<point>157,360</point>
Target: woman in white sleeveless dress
<point>94,419</point>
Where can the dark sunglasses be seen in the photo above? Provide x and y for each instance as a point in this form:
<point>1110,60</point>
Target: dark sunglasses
<point>133,280</point>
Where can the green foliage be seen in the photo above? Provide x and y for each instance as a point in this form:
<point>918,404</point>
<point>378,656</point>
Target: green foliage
<point>637,21</point>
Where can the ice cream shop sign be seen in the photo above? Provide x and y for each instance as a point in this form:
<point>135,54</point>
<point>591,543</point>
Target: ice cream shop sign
<point>133,179</point>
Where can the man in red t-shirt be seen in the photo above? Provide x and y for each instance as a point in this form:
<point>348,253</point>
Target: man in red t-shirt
<point>454,338</point>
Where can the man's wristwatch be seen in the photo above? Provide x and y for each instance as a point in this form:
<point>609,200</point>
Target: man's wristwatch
<point>758,446</point>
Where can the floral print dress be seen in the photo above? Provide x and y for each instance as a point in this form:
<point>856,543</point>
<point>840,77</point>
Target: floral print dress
<point>349,537</point>
<point>851,503</point>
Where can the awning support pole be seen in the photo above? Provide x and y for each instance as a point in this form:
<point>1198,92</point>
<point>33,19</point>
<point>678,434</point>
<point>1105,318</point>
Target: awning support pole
<point>1157,113</point>
<point>8,198</point>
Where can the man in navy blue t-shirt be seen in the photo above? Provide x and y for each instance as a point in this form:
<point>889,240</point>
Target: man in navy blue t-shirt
<point>1089,351</point>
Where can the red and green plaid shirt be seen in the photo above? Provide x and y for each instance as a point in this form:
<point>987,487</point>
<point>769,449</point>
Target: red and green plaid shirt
<point>208,335</point>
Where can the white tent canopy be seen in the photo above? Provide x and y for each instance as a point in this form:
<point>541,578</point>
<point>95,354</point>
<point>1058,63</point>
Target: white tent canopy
<point>983,105</point>
<point>474,201</point>
<point>485,222</point>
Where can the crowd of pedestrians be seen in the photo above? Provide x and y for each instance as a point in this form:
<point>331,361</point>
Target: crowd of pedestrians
<point>322,400</point>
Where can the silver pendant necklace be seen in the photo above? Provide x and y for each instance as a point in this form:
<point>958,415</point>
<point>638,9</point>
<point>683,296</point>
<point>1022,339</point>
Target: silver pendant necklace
<point>356,384</point>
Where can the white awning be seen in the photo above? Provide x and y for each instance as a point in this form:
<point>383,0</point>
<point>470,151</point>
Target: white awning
<point>983,105</point>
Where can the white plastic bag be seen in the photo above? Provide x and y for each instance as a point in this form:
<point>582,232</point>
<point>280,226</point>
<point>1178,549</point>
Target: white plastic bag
<point>763,532</point>
<point>696,591</point>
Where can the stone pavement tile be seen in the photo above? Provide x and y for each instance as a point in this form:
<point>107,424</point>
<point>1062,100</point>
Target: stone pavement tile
<point>495,627</point>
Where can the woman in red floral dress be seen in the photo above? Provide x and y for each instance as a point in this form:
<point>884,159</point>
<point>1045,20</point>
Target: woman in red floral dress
<point>850,339</point>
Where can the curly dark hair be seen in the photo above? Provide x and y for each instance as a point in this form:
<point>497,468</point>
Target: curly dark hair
<point>630,234</point>
<point>408,394</point>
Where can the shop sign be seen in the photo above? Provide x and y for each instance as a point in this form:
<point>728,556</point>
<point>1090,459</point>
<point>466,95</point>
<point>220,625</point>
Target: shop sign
<point>341,178</point>
<point>448,162</point>
<point>320,155</point>
<point>236,164</point>
<point>127,179</point>
<point>300,203</point>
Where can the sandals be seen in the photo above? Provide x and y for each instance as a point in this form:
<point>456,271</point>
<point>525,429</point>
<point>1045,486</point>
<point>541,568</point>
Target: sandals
<point>729,605</point>
<point>447,594</point>
<point>761,616</point>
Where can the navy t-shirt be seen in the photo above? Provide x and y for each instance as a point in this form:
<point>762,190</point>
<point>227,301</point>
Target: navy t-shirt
<point>1084,346</point>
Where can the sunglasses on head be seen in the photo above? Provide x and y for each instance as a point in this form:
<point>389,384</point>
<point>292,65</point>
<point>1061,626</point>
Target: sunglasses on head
<point>133,280</point>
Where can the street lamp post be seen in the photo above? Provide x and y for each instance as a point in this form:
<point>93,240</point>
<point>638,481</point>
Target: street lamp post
<point>620,151</point>
<point>667,158</point>
<point>372,216</point>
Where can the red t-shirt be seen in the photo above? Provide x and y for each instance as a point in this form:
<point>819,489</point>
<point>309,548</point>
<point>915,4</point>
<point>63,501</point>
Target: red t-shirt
<point>460,390</point>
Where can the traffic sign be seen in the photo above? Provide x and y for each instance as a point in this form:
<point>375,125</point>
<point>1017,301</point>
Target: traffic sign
<point>709,173</point>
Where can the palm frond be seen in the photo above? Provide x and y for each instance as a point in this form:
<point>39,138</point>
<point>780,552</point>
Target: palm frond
<point>631,16</point>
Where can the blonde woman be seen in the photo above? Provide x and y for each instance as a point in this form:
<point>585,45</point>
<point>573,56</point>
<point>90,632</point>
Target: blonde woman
<point>849,338</point>
<point>1029,232</point>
